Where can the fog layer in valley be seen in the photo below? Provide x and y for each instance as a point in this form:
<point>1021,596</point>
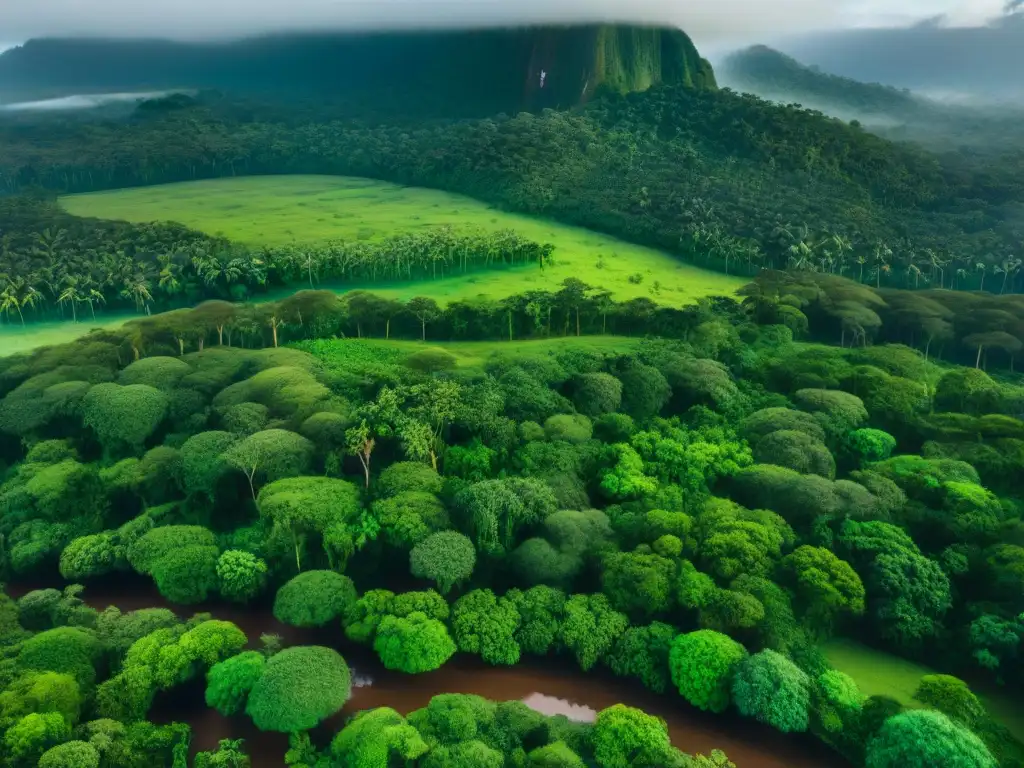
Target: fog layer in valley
<point>80,101</point>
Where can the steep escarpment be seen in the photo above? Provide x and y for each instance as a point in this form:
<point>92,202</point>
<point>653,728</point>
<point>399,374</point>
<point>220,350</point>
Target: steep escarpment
<point>579,61</point>
<point>464,72</point>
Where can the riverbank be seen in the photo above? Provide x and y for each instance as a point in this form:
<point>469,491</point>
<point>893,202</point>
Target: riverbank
<point>544,684</point>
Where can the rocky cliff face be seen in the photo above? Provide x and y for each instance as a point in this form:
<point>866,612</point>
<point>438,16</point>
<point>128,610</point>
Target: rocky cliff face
<point>461,72</point>
<point>580,61</point>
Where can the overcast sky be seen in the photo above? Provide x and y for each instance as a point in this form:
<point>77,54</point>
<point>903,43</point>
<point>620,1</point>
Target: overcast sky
<point>710,22</point>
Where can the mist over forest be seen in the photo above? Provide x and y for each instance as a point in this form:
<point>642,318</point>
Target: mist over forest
<point>955,63</point>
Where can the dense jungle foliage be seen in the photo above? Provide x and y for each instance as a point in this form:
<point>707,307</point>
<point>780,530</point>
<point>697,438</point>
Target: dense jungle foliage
<point>721,179</point>
<point>700,506</point>
<point>698,513</point>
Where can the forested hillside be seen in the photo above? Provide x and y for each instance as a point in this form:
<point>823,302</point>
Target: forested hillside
<point>717,178</point>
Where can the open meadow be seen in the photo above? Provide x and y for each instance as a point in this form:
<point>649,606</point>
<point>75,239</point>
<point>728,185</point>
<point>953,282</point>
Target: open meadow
<point>14,338</point>
<point>883,674</point>
<point>281,210</point>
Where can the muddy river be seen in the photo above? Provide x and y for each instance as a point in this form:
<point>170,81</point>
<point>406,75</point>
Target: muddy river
<point>549,686</point>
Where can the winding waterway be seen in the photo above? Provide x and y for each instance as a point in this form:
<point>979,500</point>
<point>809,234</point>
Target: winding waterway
<point>545,685</point>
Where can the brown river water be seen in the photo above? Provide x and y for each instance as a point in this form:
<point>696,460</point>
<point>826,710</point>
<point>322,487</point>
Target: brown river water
<point>549,686</point>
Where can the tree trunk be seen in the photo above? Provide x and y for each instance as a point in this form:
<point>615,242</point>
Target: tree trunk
<point>181,347</point>
<point>273,328</point>
<point>423,330</point>
<point>220,335</point>
<point>252,488</point>
<point>926,348</point>
<point>977,360</point>
<point>577,321</point>
<point>387,329</point>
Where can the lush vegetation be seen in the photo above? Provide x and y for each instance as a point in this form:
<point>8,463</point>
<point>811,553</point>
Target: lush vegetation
<point>698,511</point>
<point>311,231</point>
<point>706,499</point>
<point>718,178</point>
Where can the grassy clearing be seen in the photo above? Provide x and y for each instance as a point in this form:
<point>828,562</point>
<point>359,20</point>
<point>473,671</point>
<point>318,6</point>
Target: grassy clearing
<point>881,674</point>
<point>876,672</point>
<point>277,210</point>
<point>358,353</point>
<point>14,338</point>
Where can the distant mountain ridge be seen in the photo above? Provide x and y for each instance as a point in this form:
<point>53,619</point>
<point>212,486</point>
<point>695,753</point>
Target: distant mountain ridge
<point>985,61</point>
<point>893,113</point>
<point>772,74</point>
<point>484,71</point>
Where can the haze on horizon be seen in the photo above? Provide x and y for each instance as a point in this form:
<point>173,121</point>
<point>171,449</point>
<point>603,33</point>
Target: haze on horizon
<point>713,24</point>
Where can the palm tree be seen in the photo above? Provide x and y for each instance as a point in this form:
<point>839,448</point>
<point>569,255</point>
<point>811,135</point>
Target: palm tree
<point>861,259</point>
<point>73,296</point>
<point>30,297</point>
<point>937,265</point>
<point>913,269</point>
<point>9,301</point>
<point>137,287</point>
<point>91,297</point>
<point>48,243</point>
<point>310,262</point>
<point>800,254</point>
<point>981,267</point>
<point>882,254</point>
<point>1008,267</point>
<point>835,248</point>
<point>169,278</point>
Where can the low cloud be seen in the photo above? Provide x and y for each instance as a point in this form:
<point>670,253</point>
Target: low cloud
<point>708,21</point>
